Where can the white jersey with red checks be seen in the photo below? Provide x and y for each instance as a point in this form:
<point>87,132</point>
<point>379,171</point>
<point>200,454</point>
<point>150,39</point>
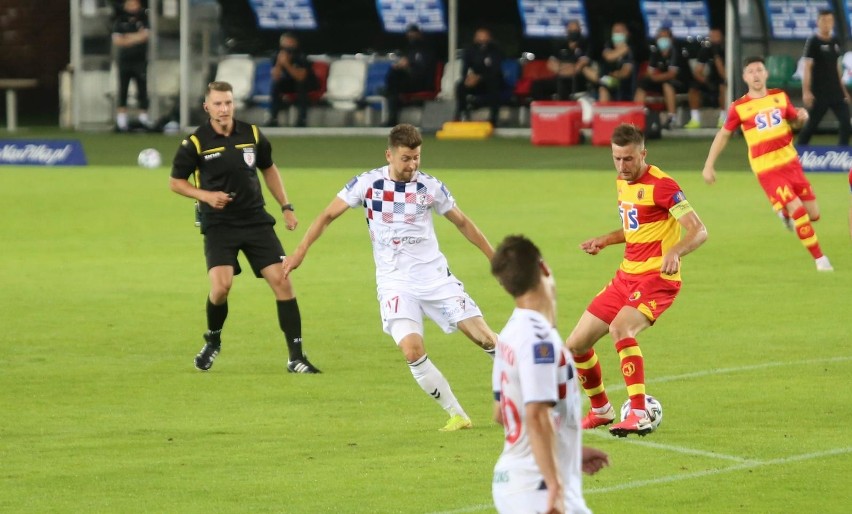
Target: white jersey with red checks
<point>399,219</point>
<point>532,365</point>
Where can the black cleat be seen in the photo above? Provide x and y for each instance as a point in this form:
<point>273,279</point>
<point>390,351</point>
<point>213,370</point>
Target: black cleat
<point>302,365</point>
<point>213,344</point>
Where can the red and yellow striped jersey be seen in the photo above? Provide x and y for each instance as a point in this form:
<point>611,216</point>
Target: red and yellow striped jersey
<point>766,130</point>
<point>650,227</point>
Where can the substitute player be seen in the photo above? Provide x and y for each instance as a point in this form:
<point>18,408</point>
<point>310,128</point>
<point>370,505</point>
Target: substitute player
<point>537,395</point>
<point>765,116</point>
<point>412,274</point>
<point>225,155</point>
<point>659,227</point>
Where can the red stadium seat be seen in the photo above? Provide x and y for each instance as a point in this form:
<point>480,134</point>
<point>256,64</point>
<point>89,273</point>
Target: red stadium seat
<point>321,72</point>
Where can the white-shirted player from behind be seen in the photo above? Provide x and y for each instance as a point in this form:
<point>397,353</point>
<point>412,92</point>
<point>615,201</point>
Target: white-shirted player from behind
<point>537,395</point>
<point>412,274</point>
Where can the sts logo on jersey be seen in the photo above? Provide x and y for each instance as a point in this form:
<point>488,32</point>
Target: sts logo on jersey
<point>629,216</point>
<point>768,119</point>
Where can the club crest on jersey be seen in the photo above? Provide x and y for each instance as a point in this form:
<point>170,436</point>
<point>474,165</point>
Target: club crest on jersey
<point>543,353</point>
<point>635,296</point>
<point>640,194</point>
<point>248,156</point>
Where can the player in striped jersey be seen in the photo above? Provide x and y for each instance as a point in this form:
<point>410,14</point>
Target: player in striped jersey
<point>765,116</point>
<point>412,275</point>
<point>537,395</point>
<point>659,227</point>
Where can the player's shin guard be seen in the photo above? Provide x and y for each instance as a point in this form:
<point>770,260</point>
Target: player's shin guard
<point>432,381</point>
<point>805,231</point>
<point>290,321</point>
<point>589,371</point>
<point>633,370</point>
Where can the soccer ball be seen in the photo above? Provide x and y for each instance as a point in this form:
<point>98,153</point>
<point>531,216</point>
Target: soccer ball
<point>149,158</point>
<point>652,406</point>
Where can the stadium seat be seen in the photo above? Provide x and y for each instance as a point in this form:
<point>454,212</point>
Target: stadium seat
<point>166,74</point>
<point>531,71</point>
<point>347,80</point>
<point>238,70</point>
<point>780,68</point>
<point>429,94</point>
<point>320,68</point>
<point>262,87</point>
<point>511,76</point>
<point>377,72</point>
<point>448,79</point>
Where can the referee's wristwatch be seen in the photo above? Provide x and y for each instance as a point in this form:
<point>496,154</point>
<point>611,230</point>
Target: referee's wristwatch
<point>287,207</point>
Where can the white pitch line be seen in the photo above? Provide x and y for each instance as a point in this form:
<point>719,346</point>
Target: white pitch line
<point>683,476</point>
<point>739,467</point>
<point>668,447</point>
<point>752,367</point>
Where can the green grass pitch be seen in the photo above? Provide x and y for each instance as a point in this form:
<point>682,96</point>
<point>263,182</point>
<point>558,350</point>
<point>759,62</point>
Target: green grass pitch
<point>102,310</point>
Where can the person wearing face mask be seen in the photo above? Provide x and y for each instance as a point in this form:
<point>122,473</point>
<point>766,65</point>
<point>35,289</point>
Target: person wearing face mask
<point>568,65</point>
<point>616,67</point>
<point>291,73</point>
<point>665,65</point>
<point>414,71</point>
<point>708,78</point>
<point>481,76</point>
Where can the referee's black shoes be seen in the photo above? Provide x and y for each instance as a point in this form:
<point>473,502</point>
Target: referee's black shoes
<point>302,365</point>
<point>213,343</point>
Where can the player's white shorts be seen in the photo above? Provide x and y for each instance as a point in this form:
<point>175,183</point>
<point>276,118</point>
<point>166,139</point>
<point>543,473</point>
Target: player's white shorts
<point>518,492</point>
<point>523,492</point>
<point>445,302</point>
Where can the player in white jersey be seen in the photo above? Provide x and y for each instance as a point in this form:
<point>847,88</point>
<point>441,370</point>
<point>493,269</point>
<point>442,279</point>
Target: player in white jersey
<point>537,395</point>
<point>412,275</point>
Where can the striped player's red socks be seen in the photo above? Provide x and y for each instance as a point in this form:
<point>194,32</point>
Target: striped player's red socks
<point>633,370</point>
<point>589,371</point>
<point>805,231</point>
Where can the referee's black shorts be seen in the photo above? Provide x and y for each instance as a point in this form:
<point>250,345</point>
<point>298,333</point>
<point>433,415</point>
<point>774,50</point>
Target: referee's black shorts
<point>259,244</point>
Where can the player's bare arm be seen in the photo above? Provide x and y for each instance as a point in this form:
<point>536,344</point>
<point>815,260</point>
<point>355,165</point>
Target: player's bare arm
<point>469,229</point>
<point>596,244</point>
<point>694,236</point>
<point>275,184</point>
<point>329,214</point>
<point>719,144</point>
<point>542,441</point>
<point>215,199</point>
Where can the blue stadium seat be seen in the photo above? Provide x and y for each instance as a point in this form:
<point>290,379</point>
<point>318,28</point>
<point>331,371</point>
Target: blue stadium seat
<point>260,93</point>
<point>511,75</point>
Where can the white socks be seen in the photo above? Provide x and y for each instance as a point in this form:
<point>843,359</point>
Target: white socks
<point>432,381</point>
<point>121,120</point>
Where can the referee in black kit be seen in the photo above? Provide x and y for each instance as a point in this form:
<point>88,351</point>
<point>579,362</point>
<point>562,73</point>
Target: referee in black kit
<point>224,156</point>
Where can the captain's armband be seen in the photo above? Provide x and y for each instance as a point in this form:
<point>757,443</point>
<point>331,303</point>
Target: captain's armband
<point>681,209</point>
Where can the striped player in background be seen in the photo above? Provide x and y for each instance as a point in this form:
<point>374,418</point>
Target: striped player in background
<point>659,227</point>
<point>765,116</point>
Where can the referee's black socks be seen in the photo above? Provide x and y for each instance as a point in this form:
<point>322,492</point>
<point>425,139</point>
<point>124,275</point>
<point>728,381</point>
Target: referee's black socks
<point>216,315</point>
<point>290,321</point>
